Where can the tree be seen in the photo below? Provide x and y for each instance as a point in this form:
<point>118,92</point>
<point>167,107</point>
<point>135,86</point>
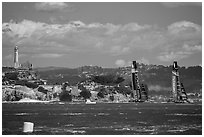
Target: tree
<point>111,98</point>
<point>11,76</point>
<point>100,94</point>
<point>84,92</point>
<point>31,85</point>
<point>108,79</point>
<point>123,90</point>
<point>43,90</point>
<point>119,80</point>
<point>65,96</point>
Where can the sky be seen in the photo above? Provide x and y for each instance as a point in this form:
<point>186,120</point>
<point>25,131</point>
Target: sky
<point>106,34</point>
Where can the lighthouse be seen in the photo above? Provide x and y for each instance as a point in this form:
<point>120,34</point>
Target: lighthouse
<point>16,63</point>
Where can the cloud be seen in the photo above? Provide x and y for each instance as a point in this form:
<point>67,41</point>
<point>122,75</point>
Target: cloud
<point>183,39</point>
<point>176,41</point>
<point>24,29</point>
<point>183,27</point>
<point>178,4</point>
<point>183,52</point>
<point>118,50</point>
<point>192,48</point>
<point>143,60</point>
<point>170,56</point>
<point>134,27</point>
<point>51,6</point>
<point>120,63</point>
<point>47,55</point>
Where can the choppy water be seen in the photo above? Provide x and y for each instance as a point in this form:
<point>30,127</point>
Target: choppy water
<point>103,119</point>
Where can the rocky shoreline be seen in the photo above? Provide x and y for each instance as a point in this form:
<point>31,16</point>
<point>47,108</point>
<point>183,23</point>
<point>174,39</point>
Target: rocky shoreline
<point>52,93</point>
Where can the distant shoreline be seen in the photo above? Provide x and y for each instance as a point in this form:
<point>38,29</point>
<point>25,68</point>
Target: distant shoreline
<point>59,102</point>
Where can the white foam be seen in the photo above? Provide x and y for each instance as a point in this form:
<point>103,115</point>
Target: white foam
<point>68,114</point>
<point>176,130</point>
<point>122,129</point>
<point>103,114</point>
<point>141,122</point>
<point>78,131</point>
<point>69,125</point>
<point>179,114</point>
<point>24,114</point>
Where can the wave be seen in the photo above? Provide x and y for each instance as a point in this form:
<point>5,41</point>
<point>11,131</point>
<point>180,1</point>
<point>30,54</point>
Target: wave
<point>103,114</point>
<point>58,130</point>
<point>68,114</point>
<point>24,114</point>
<point>179,114</point>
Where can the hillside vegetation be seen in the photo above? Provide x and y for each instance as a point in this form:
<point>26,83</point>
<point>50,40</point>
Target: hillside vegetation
<point>157,77</point>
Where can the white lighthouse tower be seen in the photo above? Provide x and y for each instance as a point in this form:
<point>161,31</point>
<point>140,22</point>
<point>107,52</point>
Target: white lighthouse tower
<point>16,63</point>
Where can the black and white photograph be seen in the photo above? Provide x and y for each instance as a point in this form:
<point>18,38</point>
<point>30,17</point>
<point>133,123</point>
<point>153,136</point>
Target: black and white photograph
<point>101,68</point>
